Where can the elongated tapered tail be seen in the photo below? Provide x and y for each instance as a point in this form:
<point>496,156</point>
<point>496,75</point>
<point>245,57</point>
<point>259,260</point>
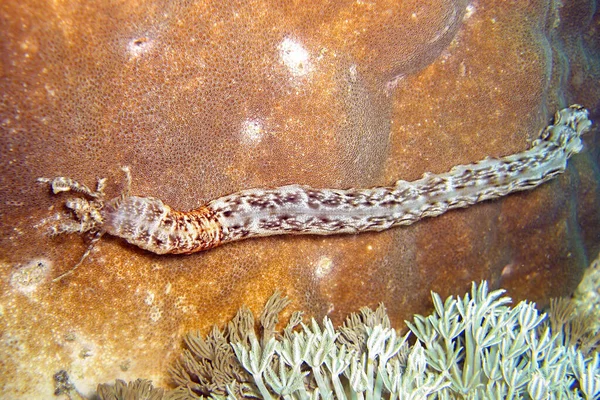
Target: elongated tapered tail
<point>296,209</point>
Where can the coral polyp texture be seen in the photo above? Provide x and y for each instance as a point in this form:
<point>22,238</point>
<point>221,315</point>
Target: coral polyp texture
<point>202,99</point>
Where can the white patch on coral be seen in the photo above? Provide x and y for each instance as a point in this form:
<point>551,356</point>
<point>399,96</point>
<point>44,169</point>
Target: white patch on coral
<point>295,57</point>
<point>323,267</point>
<point>470,10</point>
<point>28,277</point>
<point>155,313</point>
<point>149,298</point>
<point>353,73</point>
<point>138,46</point>
<point>252,131</point>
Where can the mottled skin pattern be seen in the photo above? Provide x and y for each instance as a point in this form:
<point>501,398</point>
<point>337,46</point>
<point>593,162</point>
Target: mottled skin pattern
<point>298,209</point>
<point>152,225</point>
<point>294,209</point>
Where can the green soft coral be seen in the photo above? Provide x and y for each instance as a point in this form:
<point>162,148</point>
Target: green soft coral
<point>474,347</point>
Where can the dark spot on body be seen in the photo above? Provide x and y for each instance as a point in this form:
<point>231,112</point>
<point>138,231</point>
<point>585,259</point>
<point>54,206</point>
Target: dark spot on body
<point>515,166</point>
<point>292,199</point>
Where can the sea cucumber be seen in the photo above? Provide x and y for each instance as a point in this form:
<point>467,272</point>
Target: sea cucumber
<point>294,209</point>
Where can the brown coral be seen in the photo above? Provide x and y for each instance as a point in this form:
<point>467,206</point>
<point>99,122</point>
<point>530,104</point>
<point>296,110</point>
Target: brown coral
<point>202,99</point>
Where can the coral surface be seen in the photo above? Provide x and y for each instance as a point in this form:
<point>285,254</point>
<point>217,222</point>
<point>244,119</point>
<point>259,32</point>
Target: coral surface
<point>204,98</point>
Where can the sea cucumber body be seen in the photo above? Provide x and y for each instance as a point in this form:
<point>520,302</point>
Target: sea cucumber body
<point>150,224</point>
<point>294,209</point>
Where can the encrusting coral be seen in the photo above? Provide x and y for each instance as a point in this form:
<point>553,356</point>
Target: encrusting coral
<point>470,347</point>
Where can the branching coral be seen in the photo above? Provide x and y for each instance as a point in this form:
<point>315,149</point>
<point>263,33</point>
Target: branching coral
<point>470,347</point>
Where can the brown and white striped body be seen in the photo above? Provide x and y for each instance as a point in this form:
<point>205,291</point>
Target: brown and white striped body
<point>150,224</point>
<point>294,209</point>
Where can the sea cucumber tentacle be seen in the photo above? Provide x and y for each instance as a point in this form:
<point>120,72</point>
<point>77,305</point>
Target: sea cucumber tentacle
<point>294,209</point>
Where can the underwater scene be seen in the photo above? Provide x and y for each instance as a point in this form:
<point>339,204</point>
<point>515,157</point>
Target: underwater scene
<point>387,199</point>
